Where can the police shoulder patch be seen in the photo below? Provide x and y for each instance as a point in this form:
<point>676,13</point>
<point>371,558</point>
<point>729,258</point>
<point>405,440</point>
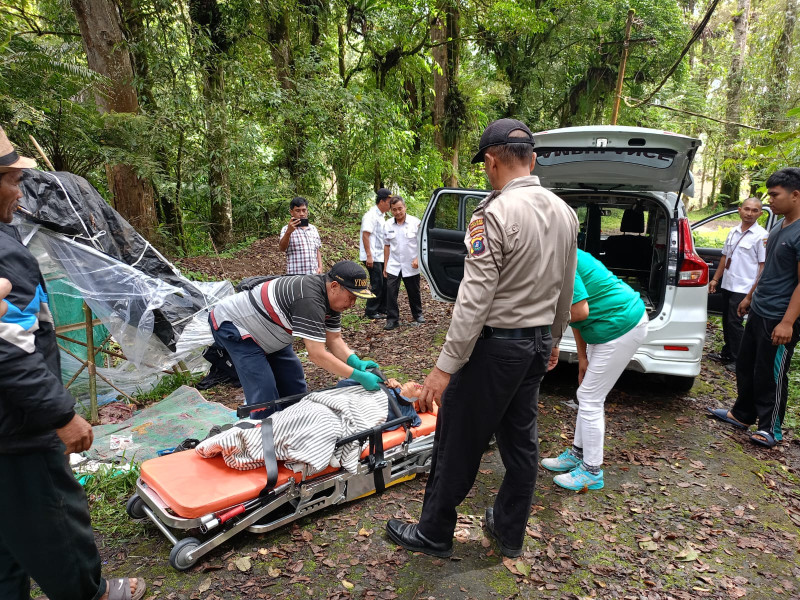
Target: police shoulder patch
<point>475,223</point>
<point>477,246</point>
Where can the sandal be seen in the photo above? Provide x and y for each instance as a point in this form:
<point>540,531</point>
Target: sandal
<point>120,589</point>
<point>722,415</point>
<point>768,441</point>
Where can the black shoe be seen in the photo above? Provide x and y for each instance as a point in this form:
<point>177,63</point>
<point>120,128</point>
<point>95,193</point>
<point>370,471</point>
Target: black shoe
<point>419,319</point>
<point>488,523</point>
<point>731,366</point>
<point>407,536</point>
<point>719,357</point>
<point>391,325</point>
<point>376,316</point>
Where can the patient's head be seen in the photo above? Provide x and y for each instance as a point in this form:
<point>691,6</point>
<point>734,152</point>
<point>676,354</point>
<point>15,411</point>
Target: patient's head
<point>409,389</point>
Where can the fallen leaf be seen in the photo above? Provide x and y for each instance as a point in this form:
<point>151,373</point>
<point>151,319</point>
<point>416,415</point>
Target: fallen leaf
<point>688,554</point>
<point>205,585</point>
<point>365,532</point>
<point>523,568</point>
<point>649,546</point>
<point>347,585</point>
<point>243,564</point>
<point>273,572</point>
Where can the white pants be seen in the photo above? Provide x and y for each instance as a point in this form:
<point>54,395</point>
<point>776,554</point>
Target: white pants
<point>606,363</point>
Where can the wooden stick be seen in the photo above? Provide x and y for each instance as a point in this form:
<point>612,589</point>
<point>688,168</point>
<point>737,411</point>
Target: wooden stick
<point>41,153</point>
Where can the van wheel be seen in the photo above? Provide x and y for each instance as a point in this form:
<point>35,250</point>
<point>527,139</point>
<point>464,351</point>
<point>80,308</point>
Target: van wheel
<point>678,383</point>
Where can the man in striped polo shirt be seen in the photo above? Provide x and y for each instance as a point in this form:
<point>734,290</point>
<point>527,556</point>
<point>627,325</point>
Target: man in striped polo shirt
<point>257,327</point>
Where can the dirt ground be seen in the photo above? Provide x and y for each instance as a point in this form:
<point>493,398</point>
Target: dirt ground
<point>691,509</point>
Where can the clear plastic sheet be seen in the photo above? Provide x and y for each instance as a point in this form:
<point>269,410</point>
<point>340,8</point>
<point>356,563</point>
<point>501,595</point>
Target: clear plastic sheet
<point>131,305</point>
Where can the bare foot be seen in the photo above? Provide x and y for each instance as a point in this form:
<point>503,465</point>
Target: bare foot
<point>132,581</point>
<point>730,416</point>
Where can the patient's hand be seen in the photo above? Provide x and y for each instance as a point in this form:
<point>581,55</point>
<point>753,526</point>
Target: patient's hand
<point>393,383</point>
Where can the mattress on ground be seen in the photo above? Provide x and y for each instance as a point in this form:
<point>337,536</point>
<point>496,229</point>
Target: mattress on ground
<point>193,486</point>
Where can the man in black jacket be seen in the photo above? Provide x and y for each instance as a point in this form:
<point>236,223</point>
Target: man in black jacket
<point>45,528</point>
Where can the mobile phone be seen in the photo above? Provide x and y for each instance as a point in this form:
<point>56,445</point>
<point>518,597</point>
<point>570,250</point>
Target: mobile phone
<point>303,223</point>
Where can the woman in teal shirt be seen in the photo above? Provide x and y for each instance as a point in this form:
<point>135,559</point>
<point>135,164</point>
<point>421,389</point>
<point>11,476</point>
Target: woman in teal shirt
<point>609,322</point>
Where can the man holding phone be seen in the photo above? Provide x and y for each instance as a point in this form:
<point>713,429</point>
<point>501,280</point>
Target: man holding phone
<point>301,241</point>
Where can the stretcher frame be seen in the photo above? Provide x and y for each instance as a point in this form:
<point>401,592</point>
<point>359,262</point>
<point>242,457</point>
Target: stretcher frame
<point>277,507</point>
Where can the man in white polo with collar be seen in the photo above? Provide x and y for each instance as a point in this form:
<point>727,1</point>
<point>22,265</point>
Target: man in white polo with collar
<point>400,261</point>
<point>739,268</point>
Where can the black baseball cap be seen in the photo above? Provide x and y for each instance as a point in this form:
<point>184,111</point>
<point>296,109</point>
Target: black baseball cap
<point>352,277</point>
<point>497,134</point>
<point>383,193</point>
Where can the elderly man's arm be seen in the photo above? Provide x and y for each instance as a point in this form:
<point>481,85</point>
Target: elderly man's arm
<point>331,358</point>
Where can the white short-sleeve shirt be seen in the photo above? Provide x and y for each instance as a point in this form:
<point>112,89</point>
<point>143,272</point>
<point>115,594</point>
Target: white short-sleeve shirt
<point>402,242</point>
<point>372,222</point>
<point>746,250</point>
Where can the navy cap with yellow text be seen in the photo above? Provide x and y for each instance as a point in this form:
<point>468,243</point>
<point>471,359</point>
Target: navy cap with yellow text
<point>352,277</point>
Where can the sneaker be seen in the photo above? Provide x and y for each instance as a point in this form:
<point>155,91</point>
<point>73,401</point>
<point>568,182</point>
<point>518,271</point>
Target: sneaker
<point>580,478</point>
<point>566,461</point>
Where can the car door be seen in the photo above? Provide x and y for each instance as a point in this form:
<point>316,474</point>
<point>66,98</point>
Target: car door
<point>709,236</point>
<point>441,241</point>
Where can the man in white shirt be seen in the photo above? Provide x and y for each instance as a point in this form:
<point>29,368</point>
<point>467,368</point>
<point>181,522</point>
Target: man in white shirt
<point>739,268</point>
<point>371,253</point>
<point>400,262</point>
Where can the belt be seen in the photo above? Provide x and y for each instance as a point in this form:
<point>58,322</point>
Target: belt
<point>513,334</point>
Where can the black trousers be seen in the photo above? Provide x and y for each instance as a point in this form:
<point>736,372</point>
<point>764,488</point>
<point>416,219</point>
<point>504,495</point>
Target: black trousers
<point>762,375</point>
<point>377,285</point>
<point>45,530</point>
<point>496,392</point>
<point>732,324</point>
<point>393,289</point>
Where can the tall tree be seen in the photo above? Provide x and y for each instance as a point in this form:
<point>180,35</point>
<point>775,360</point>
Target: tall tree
<point>106,53</point>
<point>730,187</point>
<point>207,20</point>
<point>449,105</point>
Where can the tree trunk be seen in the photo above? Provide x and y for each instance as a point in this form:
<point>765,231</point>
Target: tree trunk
<point>206,18</point>
<point>107,54</point>
<point>449,105</point>
<point>730,188</point>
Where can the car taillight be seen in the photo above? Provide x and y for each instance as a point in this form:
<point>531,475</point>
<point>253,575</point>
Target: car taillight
<point>693,271</point>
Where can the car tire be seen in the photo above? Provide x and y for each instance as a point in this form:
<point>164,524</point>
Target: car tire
<point>679,383</point>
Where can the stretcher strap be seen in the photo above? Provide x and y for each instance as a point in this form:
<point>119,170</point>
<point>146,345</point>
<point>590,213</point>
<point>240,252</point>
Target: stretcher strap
<point>270,462</point>
<point>376,460</point>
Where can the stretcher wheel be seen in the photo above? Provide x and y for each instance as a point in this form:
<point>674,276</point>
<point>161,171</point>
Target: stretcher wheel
<point>135,507</point>
<point>178,556</point>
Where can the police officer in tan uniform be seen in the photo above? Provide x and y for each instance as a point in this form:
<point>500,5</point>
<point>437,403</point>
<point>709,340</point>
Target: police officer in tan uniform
<point>512,307</point>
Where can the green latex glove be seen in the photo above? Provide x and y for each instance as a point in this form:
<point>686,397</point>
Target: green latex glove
<point>368,380</point>
<point>361,365</point>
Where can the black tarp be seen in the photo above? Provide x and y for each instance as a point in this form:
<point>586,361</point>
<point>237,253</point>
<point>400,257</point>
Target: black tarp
<point>69,205</point>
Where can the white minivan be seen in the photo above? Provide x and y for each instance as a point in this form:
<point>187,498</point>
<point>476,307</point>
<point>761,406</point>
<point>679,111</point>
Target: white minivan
<point>625,185</point>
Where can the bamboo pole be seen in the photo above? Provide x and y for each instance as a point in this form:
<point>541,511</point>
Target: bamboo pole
<point>90,363</point>
<point>41,153</point>
<point>623,62</point>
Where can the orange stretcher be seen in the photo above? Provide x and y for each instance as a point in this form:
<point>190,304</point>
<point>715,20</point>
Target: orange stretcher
<point>213,502</point>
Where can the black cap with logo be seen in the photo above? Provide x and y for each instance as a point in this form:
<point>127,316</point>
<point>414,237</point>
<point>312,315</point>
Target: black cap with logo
<point>352,277</point>
<point>498,133</point>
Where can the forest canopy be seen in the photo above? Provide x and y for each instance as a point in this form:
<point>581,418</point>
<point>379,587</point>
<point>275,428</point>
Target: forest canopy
<point>200,119</point>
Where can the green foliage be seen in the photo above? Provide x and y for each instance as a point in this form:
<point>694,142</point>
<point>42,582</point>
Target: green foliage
<point>332,100</point>
<point>108,490</point>
<point>165,386</point>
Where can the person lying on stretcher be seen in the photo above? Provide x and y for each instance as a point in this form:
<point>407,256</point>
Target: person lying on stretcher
<point>305,433</point>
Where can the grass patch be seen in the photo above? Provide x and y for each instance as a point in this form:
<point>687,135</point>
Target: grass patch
<point>165,386</point>
<point>108,490</point>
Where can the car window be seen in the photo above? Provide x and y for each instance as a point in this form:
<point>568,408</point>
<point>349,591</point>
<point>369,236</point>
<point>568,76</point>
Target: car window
<point>713,233</point>
<point>448,207</point>
<point>610,221</point>
<point>445,215</point>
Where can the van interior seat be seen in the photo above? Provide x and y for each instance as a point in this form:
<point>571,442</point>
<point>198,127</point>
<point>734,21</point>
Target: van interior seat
<point>633,252</point>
